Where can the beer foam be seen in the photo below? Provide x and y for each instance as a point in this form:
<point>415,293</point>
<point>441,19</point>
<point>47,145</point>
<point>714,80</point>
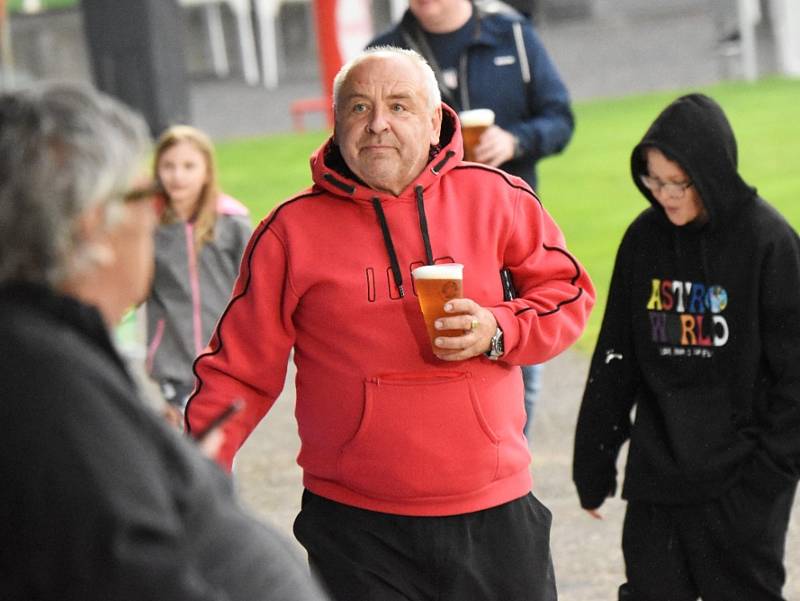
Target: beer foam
<point>443,271</point>
<point>476,117</point>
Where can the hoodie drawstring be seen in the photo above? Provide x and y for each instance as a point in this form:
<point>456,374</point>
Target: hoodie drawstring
<point>387,237</point>
<point>397,275</point>
<point>387,240</point>
<point>423,225</point>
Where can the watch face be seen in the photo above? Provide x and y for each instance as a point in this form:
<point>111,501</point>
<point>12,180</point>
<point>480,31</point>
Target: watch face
<point>496,346</point>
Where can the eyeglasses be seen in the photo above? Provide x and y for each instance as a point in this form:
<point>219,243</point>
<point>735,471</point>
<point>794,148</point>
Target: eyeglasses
<point>148,190</point>
<point>673,190</point>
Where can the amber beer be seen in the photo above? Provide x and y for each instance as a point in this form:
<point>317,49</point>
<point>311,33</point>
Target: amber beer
<point>435,285</point>
<point>473,124</point>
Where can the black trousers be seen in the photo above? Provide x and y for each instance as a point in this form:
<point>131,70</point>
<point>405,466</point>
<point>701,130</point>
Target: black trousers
<point>502,553</point>
<point>729,549</point>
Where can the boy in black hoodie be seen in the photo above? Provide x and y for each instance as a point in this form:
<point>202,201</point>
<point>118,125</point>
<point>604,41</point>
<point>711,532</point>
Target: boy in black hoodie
<point>701,335</point>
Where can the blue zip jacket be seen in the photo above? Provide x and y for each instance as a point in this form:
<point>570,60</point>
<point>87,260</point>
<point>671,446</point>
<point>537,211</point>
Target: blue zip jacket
<point>537,113</point>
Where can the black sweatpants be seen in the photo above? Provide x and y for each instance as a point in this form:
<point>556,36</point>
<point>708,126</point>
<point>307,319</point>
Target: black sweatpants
<point>502,553</point>
<point>729,549</point>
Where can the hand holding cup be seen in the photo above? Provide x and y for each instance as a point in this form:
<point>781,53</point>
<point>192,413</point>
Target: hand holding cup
<point>458,327</point>
<point>477,324</point>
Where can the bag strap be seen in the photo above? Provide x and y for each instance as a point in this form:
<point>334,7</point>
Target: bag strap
<point>522,54</point>
<point>415,39</point>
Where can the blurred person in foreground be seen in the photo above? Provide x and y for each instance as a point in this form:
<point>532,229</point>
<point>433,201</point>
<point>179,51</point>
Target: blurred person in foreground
<point>101,500</point>
<point>416,471</point>
<point>488,56</point>
<point>701,343</point>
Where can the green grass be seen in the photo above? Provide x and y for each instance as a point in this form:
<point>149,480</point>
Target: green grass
<point>16,5</point>
<point>587,189</point>
<point>261,172</point>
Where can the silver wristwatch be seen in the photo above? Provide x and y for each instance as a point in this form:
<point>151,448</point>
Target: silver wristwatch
<point>496,347</point>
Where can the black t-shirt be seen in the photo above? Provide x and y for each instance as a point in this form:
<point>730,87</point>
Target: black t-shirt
<point>448,47</point>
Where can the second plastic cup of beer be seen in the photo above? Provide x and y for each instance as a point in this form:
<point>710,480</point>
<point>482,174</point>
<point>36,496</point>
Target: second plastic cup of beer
<point>435,285</point>
<point>473,123</point>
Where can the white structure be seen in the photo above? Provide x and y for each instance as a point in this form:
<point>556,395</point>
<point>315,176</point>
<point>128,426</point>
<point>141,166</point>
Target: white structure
<point>216,35</point>
<point>786,25</point>
<point>749,17</point>
<point>31,6</point>
<point>354,24</point>
<point>354,16</point>
<point>353,19</point>
<point>267,15</point>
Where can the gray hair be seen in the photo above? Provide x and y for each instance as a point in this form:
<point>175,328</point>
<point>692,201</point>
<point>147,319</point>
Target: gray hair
<point>64,149</point>
<point>429,78</point>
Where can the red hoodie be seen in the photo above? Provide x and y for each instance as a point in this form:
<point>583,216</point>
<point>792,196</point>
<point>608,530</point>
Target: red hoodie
<point>384,424</point>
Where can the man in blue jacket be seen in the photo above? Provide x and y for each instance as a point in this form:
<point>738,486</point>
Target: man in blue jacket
<point>487,55</point>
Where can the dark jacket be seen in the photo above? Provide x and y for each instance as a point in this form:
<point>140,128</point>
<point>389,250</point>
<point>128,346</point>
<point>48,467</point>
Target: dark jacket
<point>537,113</point>
<point>100,500</point>
<point>701,335</point>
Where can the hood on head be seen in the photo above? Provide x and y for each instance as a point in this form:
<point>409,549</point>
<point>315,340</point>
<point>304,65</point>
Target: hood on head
<point>330,171</point>
<point>694,132</point>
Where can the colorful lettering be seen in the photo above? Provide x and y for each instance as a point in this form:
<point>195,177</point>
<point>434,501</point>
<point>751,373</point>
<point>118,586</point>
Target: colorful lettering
<point>702,339</point>
<point>667,301</point>
<point>654,304</point>
<point>677,287</point>
<point>687,314</point>
<point>697,304</point>
<point>720,329</point>
<point>687,330</point>
<point>658,326</point>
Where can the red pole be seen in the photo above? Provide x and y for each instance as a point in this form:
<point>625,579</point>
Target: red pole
<point>330,60</point>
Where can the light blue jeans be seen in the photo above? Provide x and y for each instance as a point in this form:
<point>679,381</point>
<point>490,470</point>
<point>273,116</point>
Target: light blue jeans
<point>532,379</point>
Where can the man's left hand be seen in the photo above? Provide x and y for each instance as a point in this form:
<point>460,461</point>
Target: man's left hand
<point>496,146</point>
<point>479,326</point>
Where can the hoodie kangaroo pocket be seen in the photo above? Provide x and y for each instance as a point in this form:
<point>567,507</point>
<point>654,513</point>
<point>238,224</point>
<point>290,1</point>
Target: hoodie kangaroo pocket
<point>421,435</point>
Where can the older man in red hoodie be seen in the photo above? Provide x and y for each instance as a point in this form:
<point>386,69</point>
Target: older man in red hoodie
<point>416,471</point>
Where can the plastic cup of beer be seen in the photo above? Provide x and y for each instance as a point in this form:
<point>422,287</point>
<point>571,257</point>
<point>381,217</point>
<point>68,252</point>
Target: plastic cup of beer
<point>435,285</point>
<point>473,123</point>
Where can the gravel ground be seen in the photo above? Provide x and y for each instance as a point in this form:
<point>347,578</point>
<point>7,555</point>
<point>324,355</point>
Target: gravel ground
<point>586,552</point>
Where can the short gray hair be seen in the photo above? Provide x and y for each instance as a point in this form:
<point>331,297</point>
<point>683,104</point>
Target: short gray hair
<point>429,78</point>
<point>64,149</point>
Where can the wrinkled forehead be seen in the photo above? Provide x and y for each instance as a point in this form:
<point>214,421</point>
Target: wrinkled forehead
<point>393,76</point>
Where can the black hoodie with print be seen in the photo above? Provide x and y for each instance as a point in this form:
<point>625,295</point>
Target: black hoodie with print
<point>698,358</point>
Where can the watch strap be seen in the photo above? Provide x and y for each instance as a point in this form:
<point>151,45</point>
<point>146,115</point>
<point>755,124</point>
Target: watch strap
<point>496,347</point>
